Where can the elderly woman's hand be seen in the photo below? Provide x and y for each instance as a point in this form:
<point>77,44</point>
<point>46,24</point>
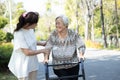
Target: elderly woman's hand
<point>45,61</point>
<point>46,55</point>
<point>81,56</point>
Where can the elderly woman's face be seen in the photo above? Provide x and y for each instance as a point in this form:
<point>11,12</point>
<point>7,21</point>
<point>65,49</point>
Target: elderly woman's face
<point>60,25</point>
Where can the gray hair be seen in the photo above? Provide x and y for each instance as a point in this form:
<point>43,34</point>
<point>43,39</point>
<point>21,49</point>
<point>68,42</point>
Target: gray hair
<point>64,18</point>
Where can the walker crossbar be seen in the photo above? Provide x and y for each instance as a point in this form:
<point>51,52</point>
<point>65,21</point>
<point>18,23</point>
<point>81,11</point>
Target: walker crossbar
<point>56,78</point>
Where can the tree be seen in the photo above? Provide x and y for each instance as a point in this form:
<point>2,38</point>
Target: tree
<point>102,24</point>
<point>116,22</point>
<point>81,12</point>
<point>88,8</point>
<point>111,20</point>
<point>2,8</point>
<point>3,21</point>
<point>70,10</point>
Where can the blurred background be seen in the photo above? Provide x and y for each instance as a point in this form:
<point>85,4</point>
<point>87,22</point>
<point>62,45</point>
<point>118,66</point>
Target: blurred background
<point>97,22</point>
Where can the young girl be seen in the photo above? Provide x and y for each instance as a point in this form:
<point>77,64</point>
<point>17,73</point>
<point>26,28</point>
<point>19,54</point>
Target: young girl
<point>24,63</point>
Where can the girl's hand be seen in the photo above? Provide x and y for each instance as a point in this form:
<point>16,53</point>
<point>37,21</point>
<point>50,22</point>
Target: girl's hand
<point>42,43</point>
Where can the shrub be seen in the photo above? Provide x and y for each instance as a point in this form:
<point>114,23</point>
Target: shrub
<point>3,21</point>
<point>92,44</point>
<point>5,54</point>
<point>2,36</point>
<point>9,37</point>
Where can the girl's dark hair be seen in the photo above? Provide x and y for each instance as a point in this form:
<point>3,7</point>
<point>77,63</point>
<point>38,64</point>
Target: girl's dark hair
<point>30,18</point>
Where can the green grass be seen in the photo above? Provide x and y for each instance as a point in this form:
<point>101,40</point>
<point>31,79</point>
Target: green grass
<point>7,76</point>
<point>113,48</point>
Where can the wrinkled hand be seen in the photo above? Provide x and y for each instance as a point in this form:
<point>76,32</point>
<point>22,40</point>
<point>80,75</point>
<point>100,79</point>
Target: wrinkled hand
<point>46,51</point>
<point>82,56</point>
<point>46,55</point>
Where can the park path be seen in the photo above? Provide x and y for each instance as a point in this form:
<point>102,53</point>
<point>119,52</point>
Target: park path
<point>98,65</point>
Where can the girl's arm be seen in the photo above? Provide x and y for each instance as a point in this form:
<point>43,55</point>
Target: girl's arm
<point>41,43</point>
<point>29,52</point>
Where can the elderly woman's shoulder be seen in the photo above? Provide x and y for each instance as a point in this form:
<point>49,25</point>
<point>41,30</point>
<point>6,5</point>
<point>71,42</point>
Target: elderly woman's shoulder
<point>53,33</point>
<point>71,31</point>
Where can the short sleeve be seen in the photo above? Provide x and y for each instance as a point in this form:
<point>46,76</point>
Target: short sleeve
<point>80,44</point>
<point>19,41</point>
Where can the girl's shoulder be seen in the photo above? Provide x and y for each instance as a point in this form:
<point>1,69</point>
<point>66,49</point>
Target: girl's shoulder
<point>18,33</point>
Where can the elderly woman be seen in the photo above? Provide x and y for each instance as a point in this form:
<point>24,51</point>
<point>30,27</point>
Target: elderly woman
<point>66,46</point>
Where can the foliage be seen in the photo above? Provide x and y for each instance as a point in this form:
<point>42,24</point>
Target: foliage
<point>70,12</point>
<point>2,36</point>
<point>5,53</point>
<point>98,32</point>
<point>5,37</point>
<point>81,30</point>
<point>18,11</point>
<point>2,8</point>
<point>91,44</point>
<point>9,37</point>
<point>48,6</point>
<point>110,17</point>
<point>44,28</point>
<point>7,76</point>
<point>3,21</point>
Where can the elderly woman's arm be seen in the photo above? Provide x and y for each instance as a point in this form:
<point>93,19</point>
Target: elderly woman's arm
<point>46,56</point>
<point>48,46</point>
<point>80,46</point>
<point>81,51</point>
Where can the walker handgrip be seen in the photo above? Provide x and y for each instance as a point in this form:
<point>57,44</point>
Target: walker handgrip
<point>81,60</point>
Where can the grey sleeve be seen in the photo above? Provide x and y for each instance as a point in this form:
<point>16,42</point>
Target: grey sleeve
<point>80,44</point>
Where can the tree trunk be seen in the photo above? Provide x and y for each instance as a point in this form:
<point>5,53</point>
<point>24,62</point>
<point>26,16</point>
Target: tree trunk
<point>92,28</point>
<point>77,26</point>
<point>102,24</point>
<point>87,20</point>
<point>86,28</point>
<point>116,22</point>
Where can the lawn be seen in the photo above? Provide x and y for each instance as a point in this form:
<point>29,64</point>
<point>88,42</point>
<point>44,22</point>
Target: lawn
<point>7,76</point>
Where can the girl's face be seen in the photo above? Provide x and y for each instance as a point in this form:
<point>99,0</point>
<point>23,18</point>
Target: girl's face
<point>60,25</point>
